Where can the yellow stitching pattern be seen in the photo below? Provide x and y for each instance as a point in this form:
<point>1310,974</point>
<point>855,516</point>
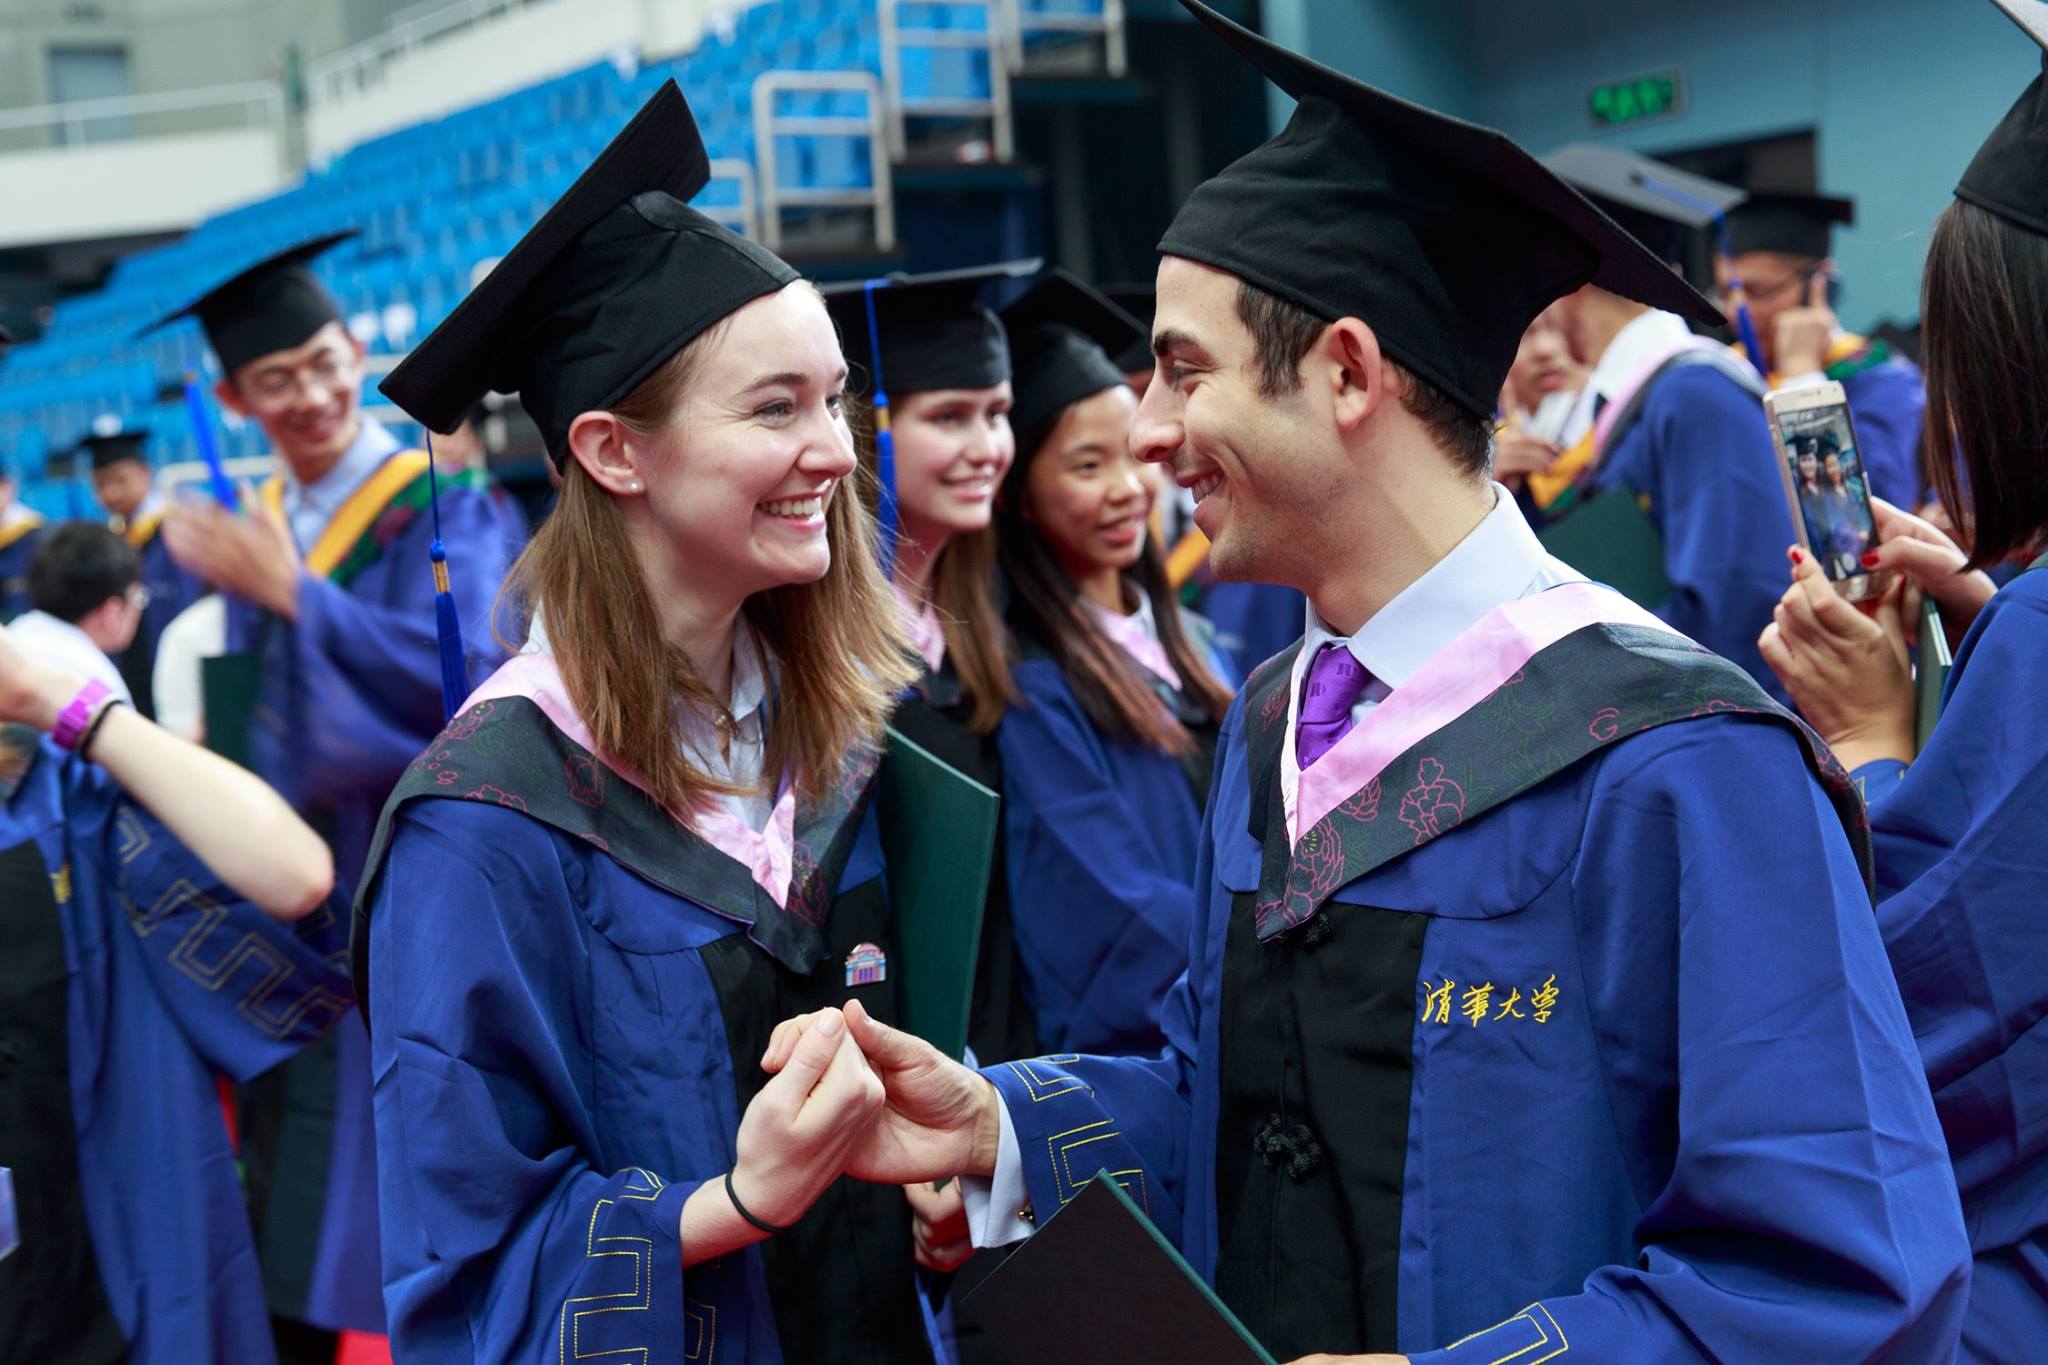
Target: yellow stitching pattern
<point>643,1276</point>
<point>273,969</point>
<point>1553,1337</point>
<point>1039,1087</point>
<point>130,838</point>
<point>1066,1186</point>
<point>705,1320</point>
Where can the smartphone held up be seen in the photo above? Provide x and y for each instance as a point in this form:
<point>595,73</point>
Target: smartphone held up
<point>1825,484</point>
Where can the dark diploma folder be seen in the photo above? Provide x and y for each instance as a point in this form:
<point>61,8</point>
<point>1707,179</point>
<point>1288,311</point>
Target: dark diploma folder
<point>1610,539</point>
<point>1099,1285</point>
<point>229,686</point>
<point>938,832</point>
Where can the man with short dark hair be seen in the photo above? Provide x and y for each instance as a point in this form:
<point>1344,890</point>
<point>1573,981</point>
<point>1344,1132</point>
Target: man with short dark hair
<point>1534,1001</point>
<point>87,602</point>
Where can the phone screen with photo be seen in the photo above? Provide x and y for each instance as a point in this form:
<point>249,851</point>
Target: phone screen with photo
<point>1829,487</point>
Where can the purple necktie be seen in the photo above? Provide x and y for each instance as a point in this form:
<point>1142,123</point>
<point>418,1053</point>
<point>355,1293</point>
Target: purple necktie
<point>1336,680</point>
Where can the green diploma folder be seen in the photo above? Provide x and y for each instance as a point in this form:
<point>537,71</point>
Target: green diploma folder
<point>939,836</point>
<point>229,686</point>
<point>1610,539</point>
<point>1099,1285</point>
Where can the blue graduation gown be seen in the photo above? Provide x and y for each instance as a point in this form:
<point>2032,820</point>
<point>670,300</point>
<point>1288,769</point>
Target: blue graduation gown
<point>1887,402</point>
<point>351,692</point>
<point>1700,455</point>
<point>563,1045</point>
<point>1962,862</point>
<point>172,588</point>
<point>1100,840</point>
<point>164,977</point>
<point>1254,621</point>
<point>14,558</point>
<point>1694,1129</point>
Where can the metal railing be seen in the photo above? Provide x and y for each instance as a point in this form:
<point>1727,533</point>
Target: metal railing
<point>745,216</point>
<point>1019,23</point>
<point>878,195</point>
<point>72,117</point>
<point>991,39</point>
<point>358,68</point>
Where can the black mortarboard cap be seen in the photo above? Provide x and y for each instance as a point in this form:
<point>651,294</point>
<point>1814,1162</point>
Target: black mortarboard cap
<point>1063,337</point>
<point>273,305</point>
<point>1658,204</point>
<point>935,330</point>
<point>1445,237</point>
<point>2009,174</point>
<point>112,447</point>
<point>1140,301</point>
<point>615,278</point>
<point>1796,223</point>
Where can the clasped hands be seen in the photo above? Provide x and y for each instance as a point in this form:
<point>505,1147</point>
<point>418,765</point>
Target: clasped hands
<point>849,1095</point>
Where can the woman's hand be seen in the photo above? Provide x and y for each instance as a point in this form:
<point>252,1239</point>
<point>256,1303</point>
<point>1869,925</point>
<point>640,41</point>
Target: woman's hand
<point>797,1135</point>
<point>31,691</point>
<point>1846,670</point>
<point>1924,553</point>
<point>940,1119</point>
<point>938,1224</point>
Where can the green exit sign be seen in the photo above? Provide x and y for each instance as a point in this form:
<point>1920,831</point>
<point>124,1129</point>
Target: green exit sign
<point>1659,94</point>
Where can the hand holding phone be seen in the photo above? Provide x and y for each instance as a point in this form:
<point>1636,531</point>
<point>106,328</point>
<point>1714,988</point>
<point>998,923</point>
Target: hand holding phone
<point>1825,486</point>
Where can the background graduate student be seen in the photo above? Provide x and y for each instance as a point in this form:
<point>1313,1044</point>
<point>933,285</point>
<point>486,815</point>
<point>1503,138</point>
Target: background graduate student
<point>1961,861</point>
<point>1476,1055</point>
<point>165,918</point>
<point>945,362</point>
<point>330,594</point>
<point>647,838</point>
<point>1107,751</point>
<point>1780,252</point>
<point>126,488</point>
<point>1673,419</point>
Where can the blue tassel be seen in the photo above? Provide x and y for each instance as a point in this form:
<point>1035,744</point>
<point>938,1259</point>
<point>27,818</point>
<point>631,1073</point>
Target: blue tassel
<point>209,444</point>
<point>885,444</point>
<point>447,625</point>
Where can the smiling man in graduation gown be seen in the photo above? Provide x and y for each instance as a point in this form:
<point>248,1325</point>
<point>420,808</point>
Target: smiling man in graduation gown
<point>125,486</point>
<point>1780,250</point>
<point>331,610</point>
<point>1536,1009</point>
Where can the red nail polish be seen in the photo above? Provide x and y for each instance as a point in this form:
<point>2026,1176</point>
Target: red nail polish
<point>1870,560</point>
<point>1798,555</point>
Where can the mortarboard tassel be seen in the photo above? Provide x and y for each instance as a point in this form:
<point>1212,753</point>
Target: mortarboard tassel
<point>1745,325</point>
<point>885,442</point>
<point>209,444</point>
<point>447,625</point>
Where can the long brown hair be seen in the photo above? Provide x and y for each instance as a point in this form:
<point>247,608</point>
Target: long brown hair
<point>838,641</point>
<point>963,593</point>
<point>1984,304</point>
<point>1046,607</point>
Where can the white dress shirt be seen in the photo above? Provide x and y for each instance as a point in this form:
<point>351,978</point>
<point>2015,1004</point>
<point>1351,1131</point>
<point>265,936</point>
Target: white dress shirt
<point>1499,561</point>
<point>1636,347</point>
<point>308,507</point>
<point>57,642</point>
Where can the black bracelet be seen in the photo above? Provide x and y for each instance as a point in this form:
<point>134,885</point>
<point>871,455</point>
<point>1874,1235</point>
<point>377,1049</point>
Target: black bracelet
<point>741,1209</point>
<point>92,728</point>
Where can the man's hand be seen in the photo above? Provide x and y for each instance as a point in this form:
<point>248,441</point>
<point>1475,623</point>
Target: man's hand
<point>251,556</point>
<point>1801,335</point>
<point>1517,455</point>
<point>940,1119</point>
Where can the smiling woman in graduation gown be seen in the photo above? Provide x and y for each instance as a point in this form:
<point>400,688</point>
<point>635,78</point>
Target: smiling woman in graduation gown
<point>943,364</point>
<point>609,877</point>
<point>1108,749</point>
<point>1956,825</point>
<point>134,972</point>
